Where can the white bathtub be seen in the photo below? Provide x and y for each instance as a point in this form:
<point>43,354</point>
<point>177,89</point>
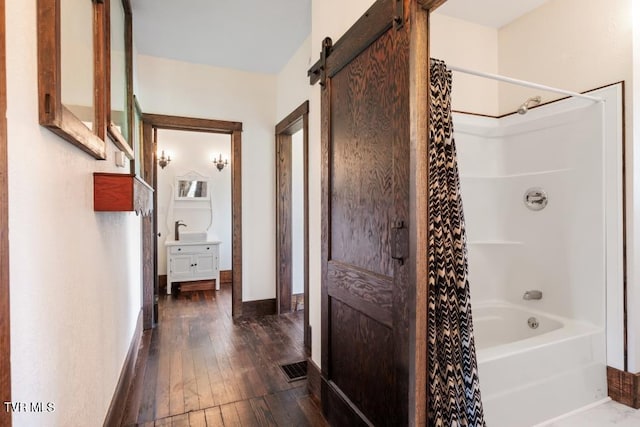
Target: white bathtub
<point>530,375</point>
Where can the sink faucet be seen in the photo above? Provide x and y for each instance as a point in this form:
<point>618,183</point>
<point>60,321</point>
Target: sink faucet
<point>529,295</point>
<point>177,225</point>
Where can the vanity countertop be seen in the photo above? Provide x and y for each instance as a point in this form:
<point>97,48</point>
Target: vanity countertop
<point>184,243</point>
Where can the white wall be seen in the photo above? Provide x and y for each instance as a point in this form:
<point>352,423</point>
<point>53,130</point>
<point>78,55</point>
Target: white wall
<point>473,46</point>
<point>192,151</point>
<point>75,273</point>
<point>183,89</point>
<point>571,44</point>
<point>292,86</point>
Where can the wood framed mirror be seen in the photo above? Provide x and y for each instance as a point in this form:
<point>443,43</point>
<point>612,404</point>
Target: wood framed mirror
<point>85,72</point>
<point>119,75</point>
<point>71,63</point>
<point>192,187</point>
<point>137,165</point>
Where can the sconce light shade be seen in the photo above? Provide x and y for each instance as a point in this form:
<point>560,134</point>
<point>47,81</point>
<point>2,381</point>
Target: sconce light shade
<point>163,160</point>
<point>220,164</point>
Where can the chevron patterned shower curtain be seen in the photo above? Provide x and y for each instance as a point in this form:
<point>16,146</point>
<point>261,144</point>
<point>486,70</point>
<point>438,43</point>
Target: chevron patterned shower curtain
<point>454,391</point>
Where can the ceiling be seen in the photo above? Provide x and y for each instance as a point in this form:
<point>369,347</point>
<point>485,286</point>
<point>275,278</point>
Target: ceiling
<point>260,35</point>
<point>250,35</point>
<point>490,13</point>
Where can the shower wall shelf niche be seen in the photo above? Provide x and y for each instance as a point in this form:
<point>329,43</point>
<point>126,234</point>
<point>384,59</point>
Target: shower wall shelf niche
<point>495,242</point>
<point>516,175</point>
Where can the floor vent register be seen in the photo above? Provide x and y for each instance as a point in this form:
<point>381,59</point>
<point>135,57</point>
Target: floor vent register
<point>295,371</point>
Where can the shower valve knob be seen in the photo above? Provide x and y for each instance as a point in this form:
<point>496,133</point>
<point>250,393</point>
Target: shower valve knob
<point>536,199</point>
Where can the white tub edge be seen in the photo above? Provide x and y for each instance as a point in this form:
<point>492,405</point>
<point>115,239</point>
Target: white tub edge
<point>571,329</point>
<point>574,412</point>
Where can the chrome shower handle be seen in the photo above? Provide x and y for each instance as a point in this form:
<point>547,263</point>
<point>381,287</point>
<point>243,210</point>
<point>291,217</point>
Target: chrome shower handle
<point>532,295</point>
<point>537,198</point>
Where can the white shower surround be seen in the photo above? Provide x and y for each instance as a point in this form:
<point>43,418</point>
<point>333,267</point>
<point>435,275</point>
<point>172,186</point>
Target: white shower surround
<point>571,250</point>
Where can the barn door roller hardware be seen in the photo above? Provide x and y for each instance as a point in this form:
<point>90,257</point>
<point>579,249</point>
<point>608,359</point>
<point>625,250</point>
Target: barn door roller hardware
<point>398,18</point>
<point>319,69</point>
<point>380,18</point>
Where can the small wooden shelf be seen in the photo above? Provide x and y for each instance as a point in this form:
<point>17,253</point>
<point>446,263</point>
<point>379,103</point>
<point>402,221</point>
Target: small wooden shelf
<point>117,192</point>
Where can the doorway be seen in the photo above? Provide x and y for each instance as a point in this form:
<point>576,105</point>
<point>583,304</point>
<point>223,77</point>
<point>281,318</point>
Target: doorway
<point>151,124</point>
<point>292,215</point>
<point>203,216</point>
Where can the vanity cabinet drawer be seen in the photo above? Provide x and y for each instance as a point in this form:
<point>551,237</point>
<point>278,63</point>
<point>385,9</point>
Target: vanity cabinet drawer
<point>192,249</point>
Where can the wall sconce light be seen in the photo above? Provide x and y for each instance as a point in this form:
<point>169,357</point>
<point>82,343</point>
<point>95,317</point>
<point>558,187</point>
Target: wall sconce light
<point>220,164</point>
<point>163,160</point>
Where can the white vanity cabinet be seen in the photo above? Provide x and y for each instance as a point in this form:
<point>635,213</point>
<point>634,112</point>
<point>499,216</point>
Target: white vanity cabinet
<point>189,261</point>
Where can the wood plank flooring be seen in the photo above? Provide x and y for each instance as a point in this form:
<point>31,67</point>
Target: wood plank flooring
<point>199,368</point>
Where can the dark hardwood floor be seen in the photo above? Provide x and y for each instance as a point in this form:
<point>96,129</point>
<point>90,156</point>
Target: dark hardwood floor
<point>199,368</point>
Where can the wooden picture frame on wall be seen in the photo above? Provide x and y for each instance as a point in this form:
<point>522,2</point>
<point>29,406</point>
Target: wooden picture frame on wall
<point>119,123</point>
<point>53,113</point>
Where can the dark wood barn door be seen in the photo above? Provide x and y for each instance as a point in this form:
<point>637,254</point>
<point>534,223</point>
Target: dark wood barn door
<point>374,191</point>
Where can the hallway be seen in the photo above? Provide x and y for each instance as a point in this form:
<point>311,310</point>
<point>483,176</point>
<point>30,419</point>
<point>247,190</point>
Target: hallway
<point>203,370</point>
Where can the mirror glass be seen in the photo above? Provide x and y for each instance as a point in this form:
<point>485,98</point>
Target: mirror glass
<point>192,189</point>
<point>136,135</point>
<point>77,58</point>
<point>118,69</point>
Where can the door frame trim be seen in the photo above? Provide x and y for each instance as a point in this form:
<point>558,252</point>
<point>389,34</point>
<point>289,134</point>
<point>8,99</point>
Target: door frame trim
<point>234,129</point>
<point>5,313</point>
<point>297,120</point>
